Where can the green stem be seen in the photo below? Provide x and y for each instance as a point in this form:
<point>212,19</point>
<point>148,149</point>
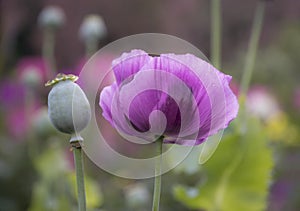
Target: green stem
<point>91,47</point>
<point>79,175</point>
<point>157,181</point>
<point>30,135</point>
<point>216,33</point>
<point>48,50</point>
<point>253,45</point>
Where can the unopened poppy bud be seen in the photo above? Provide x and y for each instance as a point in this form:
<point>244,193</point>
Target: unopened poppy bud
<point>68,107</point>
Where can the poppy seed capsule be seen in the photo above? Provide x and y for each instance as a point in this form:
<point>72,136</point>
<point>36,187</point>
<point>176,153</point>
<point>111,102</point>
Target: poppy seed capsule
<point>68,107</point>
<point>52,16</point>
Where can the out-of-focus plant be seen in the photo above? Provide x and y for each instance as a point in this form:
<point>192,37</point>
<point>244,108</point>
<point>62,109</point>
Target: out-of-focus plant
<point>199,82</point>
<point>265,106</point>
<point>137,196</point>
<point>281,130</point>
<point>238,175</point>
<point>50,19</point>
<point>91,31</point>
<point>55,188</point>
<point>70,112</point>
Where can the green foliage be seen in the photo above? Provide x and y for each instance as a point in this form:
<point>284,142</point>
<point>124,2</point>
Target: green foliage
<point>238,174</point>
<point>56,187</point>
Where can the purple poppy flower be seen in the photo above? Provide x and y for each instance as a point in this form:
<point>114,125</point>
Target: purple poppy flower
<point>181,98</point>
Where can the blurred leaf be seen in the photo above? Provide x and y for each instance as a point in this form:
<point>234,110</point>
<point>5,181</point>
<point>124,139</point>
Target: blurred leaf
<point>238,174</point>
<point>189,164</point>
<point>56,188</point>
<point>280,129</point>
<point>51,163</point>
<point>52,191</point>
<point>44,199</point>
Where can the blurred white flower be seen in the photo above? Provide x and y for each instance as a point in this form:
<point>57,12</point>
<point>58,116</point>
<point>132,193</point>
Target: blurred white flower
<point>262,103</point>
<point>52,16</point>
<point>137,195</point>
<point>192,192</point>
<point>92,28</point>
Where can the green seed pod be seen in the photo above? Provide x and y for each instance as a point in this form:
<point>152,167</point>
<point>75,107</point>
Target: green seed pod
<point>68,107</point>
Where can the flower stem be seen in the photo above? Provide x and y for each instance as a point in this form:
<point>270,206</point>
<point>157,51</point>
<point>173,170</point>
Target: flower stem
<point>91,47</point>
<point>252,48</point>
<point>216,33</point>
<point>79,175</point>
<point>30,136</point>
<point>157,181</point>
<point>48,50</point>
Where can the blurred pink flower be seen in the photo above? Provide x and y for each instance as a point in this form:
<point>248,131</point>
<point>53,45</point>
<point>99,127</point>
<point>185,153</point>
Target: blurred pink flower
<point>297,98</point>
<point>33,70</point>
<point>17,109</point>
<point>262,103</point>
<point>11,94</point>
<point>70,159</point>
<point>279,195</point>
<point>234,87</point>
<point>99,64</point>
<point>18,121</point>
<point>86,70</point>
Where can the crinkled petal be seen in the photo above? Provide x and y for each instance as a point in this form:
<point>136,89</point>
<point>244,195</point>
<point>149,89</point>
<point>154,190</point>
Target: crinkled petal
<point>128,64</point>
<point>105,102</point>
<point>223,103</point>
<point>232,105</point>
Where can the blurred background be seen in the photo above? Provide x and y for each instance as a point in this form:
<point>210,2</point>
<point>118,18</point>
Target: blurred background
<point>36,167</point>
